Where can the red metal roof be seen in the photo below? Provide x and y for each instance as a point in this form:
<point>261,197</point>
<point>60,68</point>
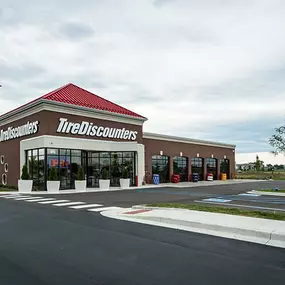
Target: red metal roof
<point>74,95</point>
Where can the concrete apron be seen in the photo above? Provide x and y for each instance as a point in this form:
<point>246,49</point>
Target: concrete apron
<point>262,231</point>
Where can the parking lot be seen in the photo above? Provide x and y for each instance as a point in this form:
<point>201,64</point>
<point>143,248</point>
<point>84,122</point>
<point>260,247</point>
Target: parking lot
<point>232,195</point>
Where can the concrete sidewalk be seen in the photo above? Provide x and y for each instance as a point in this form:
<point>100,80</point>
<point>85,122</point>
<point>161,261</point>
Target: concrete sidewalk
<point>147,186</point>
<point>267,193</point>
<point>263,231</point>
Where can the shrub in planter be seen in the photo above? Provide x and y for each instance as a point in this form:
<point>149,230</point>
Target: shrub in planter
<point>104,183</point>
<point>125,181</point>
<point>80,182</point>
<point>53,183</point>
<point>25,184</point>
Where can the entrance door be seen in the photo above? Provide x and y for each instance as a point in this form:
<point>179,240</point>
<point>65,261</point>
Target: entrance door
<point>212,167</point>
<point>225,167</point>
<point>197,166</point>
<point>93,169</point>
<point>180,166</point>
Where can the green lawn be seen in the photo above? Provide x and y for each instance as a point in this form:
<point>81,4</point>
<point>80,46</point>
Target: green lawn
<point>253,174</point>
<point>223,210</point>
<point>272,190</point>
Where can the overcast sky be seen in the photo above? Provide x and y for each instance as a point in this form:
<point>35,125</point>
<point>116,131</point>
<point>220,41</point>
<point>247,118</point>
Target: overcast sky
<point>205,69</point>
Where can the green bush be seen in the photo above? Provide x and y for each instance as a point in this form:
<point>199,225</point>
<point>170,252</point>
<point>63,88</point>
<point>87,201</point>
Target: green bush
<point>105,174</point>
<point>125,174</point>
<point>25,174</point>
<point>52,174</point>
<point>80,173</point>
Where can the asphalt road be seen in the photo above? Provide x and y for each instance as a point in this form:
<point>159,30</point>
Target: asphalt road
<point>182,195</point>
<point>47,245</point>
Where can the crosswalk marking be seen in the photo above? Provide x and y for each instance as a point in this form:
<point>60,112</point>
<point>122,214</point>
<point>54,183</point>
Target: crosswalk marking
<point>10,195</point>
<point>27,198</point>
<point>14,196</point>
<point>69,204</point>
<point>86,206</point>
<point>53,202</point>
<point>103,209</point>
<point>40,200</point>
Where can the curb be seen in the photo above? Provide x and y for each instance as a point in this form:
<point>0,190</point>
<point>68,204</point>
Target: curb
<point>266,237</point>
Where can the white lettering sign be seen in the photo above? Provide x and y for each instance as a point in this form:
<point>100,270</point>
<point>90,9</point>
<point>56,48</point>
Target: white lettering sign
<point>89,129</point>
<point>16,132</point>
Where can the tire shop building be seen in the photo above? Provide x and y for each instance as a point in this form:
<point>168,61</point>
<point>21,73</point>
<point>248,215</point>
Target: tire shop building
<point>71,127</point>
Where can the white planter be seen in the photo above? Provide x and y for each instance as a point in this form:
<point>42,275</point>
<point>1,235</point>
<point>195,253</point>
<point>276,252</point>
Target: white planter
<point>25,186</point>
<point>80,185</point>
<point>104,184</point>
<point>53,186</point>
<point>125,183</point>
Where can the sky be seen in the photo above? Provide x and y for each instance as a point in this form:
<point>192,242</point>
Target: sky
<point>207,69</point>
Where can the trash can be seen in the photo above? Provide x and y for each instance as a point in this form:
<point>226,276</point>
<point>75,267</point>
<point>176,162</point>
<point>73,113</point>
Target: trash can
<point>223,176</point>
<point>155,179</point>
<point>195,177</point>
<point>210,177</point>
<point>175,178</point>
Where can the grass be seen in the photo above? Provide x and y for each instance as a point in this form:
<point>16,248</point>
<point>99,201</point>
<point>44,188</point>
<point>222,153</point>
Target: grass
<point>7,190</point>
<point>224,210</point>
<point>272,190</point>
<point>253,174</point>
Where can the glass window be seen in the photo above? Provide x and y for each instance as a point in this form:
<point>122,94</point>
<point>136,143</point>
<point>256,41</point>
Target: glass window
<point>180,166</point>
<point>160,165</point>
<point>75,152</point>
<point>52,151</point>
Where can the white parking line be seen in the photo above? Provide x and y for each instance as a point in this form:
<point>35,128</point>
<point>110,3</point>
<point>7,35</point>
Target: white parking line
<point>27,198</point>
<point>69,204</point>
<point>86,206</point>
<point>103,209</point>
<point>40,200</point>
<point>53,202</point>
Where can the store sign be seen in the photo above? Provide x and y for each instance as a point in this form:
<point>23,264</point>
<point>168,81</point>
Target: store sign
<point>12,132</point>
<point>89,129</point>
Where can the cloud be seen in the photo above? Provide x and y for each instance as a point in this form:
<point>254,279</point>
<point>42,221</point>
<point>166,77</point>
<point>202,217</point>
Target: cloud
<point>211,73</point>
<point>75,31</point>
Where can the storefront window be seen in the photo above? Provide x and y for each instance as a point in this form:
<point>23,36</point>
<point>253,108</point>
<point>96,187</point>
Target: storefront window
<point>67,162</point>
<point>36,168</point>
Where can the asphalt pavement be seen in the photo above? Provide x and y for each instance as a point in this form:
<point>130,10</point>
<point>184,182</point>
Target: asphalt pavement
<point>48,245</point>
<point>128,198</point>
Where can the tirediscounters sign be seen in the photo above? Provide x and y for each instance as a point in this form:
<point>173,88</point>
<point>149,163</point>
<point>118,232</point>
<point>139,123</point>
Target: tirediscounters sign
<point>89,129</point>
<point>12,132</point>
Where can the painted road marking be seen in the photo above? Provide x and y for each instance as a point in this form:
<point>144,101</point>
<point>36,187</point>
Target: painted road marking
<point>103,209</point>
<point>243,206</point>
<point>217,200</point>
<point>15,196</point>
<point>53,202</point>
<point>86,206</point>
<point>40,200</point>
<point>10,195</point>
<point>29,198</point>
<point>250,195</point>
<point>69,204</point>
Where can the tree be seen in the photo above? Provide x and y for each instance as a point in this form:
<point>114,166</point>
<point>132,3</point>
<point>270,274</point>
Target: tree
<point>277,141</point>
<point>258,163</point>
